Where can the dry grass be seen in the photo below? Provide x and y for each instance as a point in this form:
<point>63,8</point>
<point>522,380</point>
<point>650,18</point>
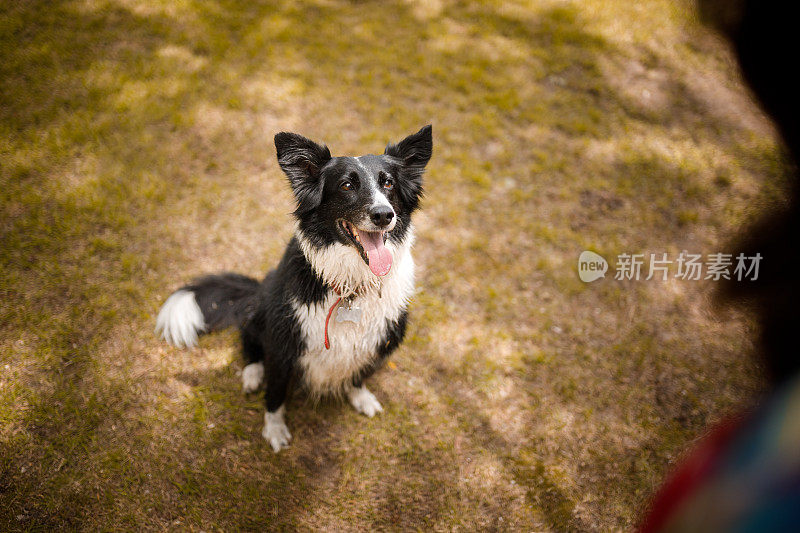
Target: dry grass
<point>135,139</point>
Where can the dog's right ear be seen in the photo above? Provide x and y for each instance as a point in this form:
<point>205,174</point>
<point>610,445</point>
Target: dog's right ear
<point>301,160</point>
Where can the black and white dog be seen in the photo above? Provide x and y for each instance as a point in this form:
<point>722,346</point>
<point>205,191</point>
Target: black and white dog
<point>336,306</point>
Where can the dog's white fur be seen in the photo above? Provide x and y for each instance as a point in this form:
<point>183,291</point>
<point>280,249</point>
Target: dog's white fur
<point>180,319</point>
<point>364,401</point>
<point>252,376</point>
<point>352,346</point>
<point>378,199</point>
<point>275,430</point>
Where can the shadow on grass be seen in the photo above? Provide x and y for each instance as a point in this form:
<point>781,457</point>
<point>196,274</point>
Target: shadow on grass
<point>92,95</point>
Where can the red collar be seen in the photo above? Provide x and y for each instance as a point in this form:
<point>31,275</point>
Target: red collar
<point>338,292</point>
<point>328,319</point>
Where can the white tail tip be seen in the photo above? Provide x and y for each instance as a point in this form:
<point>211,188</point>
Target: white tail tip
<point>180,320</point>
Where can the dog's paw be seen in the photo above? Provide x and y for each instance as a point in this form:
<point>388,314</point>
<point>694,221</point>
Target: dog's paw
<point>275,431</point>
<point>364,401</point>
<point>277,435</point>
<point>252,376</point>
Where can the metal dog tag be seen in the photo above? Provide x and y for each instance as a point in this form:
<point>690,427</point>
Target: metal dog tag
<point>348,313</point>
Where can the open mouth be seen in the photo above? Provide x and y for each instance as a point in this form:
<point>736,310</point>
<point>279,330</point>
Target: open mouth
<point>371,247</point>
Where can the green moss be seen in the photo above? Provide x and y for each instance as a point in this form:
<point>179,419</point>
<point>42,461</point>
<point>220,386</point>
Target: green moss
<point>543,493</point>
<point>687,217</point>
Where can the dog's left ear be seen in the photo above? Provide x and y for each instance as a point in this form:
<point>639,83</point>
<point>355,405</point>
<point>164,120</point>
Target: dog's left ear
<point>301,160</point>
<point>414,152</point>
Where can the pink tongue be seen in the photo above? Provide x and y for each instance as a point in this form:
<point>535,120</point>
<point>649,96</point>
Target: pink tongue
<point>380,260</point>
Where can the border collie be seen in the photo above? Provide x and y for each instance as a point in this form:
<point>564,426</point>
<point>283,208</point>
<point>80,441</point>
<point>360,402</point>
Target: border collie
<point>336,305</point>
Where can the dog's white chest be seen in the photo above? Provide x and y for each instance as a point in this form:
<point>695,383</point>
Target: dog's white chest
<point>353,344</point>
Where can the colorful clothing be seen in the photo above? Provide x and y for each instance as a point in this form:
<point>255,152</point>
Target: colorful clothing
<point>743,477</point>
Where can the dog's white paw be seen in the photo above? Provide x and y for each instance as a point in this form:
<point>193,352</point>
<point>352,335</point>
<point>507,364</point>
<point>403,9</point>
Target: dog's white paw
<point>275,431</point>
<point>364,401</point>
<point>277,435</point>
<point>252,376</point>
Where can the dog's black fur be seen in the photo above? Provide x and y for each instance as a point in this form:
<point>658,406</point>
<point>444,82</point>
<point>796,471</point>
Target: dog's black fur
<point>328,190</point>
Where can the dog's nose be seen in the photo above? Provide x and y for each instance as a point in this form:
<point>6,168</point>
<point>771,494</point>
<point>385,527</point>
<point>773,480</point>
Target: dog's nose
<point>381,216</point>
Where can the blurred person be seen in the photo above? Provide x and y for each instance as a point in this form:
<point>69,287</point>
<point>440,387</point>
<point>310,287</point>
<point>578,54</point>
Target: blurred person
<point>745,475</point>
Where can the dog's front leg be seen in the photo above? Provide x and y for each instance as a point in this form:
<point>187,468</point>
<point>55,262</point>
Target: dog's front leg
<point>275,430</point>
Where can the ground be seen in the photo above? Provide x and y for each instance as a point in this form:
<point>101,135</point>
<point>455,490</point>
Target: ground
<point>136,153</point>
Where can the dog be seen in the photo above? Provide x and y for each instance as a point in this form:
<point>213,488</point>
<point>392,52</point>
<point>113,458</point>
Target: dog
<point>336,306</point>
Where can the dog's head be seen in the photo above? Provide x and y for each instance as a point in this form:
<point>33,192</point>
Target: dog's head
<point>358,201</point>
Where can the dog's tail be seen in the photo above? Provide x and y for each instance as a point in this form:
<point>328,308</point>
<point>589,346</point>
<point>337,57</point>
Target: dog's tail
<point>205,305</point>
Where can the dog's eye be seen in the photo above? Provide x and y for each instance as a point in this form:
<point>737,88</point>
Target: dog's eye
<point>388,184</point>
<point>346,186</point>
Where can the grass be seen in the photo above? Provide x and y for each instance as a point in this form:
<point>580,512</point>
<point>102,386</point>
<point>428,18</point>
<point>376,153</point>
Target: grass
<point>135,146</point>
